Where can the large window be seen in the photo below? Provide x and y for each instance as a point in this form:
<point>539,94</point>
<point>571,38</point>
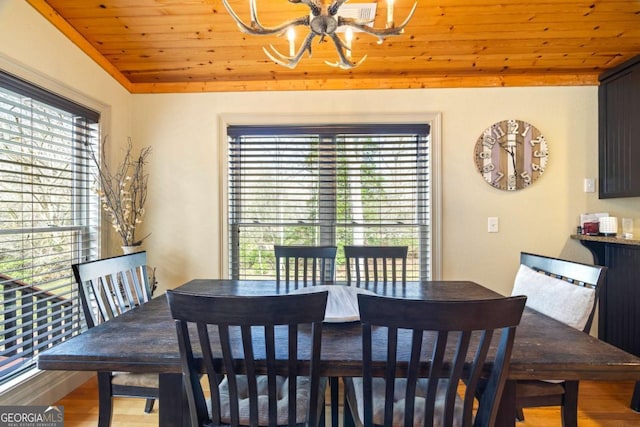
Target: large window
<point>48,218</point>
<point>347,185</point>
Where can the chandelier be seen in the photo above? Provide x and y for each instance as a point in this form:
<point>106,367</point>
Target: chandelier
<point>323,21</point>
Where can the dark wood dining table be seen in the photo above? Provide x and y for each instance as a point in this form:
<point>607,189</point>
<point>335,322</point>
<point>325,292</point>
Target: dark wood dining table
<point>144,340</point>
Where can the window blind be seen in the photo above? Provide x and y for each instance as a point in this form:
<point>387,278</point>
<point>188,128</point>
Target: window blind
<point>48,218</point>
<point>327,185</point>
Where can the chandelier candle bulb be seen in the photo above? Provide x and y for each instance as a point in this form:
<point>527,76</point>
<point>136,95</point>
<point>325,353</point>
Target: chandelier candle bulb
<point>348,37</point>
<point>291,35</point>
<point>389,13</point>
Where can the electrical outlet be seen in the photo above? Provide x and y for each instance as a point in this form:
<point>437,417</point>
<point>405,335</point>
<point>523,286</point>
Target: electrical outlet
<point>492,224</point>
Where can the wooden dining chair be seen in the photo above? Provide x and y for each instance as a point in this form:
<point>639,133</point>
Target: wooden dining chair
<point>371,265</point>
<point>567,291</point>
<point>109,287</point>
<point>450,344</point>
<point>367,264</point>
<point>306,265</point>
<point>309,265</point>
<point>278,335</point>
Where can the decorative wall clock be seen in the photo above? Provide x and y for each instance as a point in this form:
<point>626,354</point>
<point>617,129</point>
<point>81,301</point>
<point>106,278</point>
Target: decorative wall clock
<point>511,154</point>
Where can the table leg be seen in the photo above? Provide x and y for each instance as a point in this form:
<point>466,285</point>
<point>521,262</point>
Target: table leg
<point>507,409</point>
<point>635,400</point>
<point>333,386</point>
<point>172,402</point>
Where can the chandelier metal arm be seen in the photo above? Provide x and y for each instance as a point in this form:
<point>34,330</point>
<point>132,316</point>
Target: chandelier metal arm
<point>256,28</point>
<point>333,9</point>
<point>290,61</point>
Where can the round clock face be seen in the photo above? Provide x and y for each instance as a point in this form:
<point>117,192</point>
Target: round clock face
<point>511,154</point>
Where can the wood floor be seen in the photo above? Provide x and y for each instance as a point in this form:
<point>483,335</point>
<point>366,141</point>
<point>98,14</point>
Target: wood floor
<point>601,404</point>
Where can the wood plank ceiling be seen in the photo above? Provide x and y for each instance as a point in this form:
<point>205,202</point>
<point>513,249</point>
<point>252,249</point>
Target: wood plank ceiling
<point>162,46</point>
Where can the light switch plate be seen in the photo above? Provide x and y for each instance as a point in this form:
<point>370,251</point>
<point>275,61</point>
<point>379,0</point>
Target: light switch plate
<point>492,224</point>
<point>589,185</point>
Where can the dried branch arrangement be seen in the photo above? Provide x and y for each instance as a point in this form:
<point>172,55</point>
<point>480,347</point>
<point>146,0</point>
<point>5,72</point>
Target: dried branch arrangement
<point>123,191</point>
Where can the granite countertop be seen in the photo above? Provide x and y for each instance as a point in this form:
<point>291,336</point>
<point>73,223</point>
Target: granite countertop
<point>606,239</point>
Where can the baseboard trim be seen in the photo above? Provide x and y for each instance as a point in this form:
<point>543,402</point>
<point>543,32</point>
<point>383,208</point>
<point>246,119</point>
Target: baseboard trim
<point>42,387</point>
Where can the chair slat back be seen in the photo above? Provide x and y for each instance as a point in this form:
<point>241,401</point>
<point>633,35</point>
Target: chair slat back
<point>469,336</point>
<point>111,286</point>
<point>249,331</point>
<point>376,264</point>
<point>308,265</point>
<point>579,274</point>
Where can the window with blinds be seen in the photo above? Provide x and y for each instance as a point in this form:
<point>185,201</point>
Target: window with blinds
<point>327,185</point>
<point>48,218</point>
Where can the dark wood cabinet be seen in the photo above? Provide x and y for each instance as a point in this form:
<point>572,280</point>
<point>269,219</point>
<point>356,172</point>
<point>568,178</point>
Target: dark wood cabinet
<point>619,309</point>
<point>619,305</point>
<point>619,130</point>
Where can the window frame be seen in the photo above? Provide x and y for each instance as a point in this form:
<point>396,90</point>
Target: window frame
<point>29,381</point>
<point>432,119</point>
